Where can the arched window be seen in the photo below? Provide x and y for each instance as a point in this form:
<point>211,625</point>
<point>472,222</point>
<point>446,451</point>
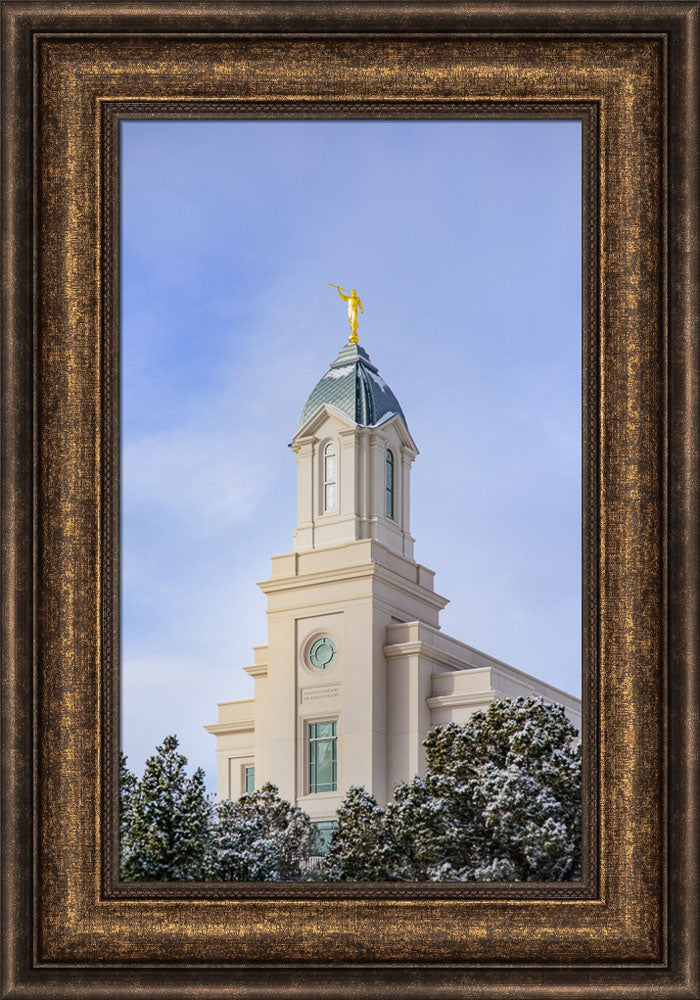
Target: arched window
<point>329,477</point>
<point>389,492</point>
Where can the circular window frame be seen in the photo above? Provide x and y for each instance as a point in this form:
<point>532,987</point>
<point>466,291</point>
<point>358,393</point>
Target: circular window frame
<point>310,642</point>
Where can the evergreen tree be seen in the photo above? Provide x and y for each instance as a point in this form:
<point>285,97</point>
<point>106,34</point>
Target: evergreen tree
<point>527,791</point>
<point>169,820</point>
<point>258,837</point>
<point>361,848</point>
<point>127,788</point>
<point>500,801</point>
<point>239,851</point>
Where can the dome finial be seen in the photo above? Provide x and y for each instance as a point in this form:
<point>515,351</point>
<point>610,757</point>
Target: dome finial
<point>354,301</point>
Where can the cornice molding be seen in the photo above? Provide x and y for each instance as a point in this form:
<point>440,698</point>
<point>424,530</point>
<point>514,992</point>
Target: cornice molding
<point>457,700</point>
<point>417,647</point>
<point>256,670</point>
<point>382,573</point>
<point>238,726</point>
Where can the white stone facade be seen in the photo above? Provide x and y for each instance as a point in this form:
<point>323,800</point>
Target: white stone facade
<point>352,581</point>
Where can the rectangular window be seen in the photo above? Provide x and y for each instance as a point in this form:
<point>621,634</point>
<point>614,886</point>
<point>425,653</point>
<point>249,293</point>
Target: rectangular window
<point>321,834</point>
<point>248,779</point>
<point>323,757</point>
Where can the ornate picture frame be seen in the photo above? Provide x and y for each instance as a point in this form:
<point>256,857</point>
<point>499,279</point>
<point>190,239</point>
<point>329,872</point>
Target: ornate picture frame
<point>71,73</point>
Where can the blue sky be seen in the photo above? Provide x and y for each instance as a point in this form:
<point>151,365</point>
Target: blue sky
<point>463,239</point>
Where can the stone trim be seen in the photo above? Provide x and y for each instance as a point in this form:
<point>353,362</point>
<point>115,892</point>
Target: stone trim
<point>238,726</point>
<point>256,670</point>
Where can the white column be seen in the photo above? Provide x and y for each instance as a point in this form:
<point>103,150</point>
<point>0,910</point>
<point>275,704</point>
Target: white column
<point>304,535</point>
<point>376,481</point>
<point>406,459</point>
<point>362,484</point>
<point>347,470</point>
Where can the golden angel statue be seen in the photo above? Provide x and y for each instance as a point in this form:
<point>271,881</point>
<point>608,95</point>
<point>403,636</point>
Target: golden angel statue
<point>354,303</point>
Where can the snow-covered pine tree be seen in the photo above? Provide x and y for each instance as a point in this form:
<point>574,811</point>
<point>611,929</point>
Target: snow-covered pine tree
<point>361,848</point>
<point>169,820</point>
<point>239,850</point>
<point>127,787</point>
<point>526,793</point>
<point>259,837</point>
<point>500,801</point>
<point>425,823</point>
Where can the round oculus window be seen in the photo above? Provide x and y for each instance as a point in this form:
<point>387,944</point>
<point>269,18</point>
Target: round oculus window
<point>323,653</point>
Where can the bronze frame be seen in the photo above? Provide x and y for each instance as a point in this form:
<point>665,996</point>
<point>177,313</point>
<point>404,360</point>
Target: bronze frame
<point>630,927</point>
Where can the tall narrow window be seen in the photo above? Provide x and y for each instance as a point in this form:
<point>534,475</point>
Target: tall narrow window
<point>323,757</point>
<point>329,477</point>
<point>389,484</point>
<point>248,779</point>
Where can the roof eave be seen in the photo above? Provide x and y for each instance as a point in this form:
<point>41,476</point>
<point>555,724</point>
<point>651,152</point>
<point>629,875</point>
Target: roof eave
<point>316,419</point>
<point>405,435</point>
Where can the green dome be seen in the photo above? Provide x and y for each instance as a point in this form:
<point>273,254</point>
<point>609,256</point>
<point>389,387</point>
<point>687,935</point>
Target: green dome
<point>353,385</point>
